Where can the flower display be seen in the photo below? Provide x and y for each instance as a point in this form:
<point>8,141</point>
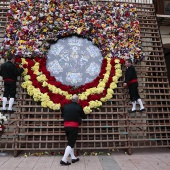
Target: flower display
<point>34,25</point>
<point>2,120</point>
<point>53,94</point>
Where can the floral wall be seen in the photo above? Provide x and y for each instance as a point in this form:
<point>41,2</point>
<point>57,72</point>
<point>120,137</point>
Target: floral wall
<point>34,26</point>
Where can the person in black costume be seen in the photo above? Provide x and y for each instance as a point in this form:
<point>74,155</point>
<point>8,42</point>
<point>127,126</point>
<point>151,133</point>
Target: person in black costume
<point>73,114</point>
<point>132,83</point>
<point>9,73</point>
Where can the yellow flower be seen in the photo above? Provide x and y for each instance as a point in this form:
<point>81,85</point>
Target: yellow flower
<point>44,104</point>
<point>115,79</point>
<point>45,97</point>
<point>55,90</point>
<point>56,107</point>
<point>110,91</point>
<point>45,84</point>
<point>50,104</point>
<point>29,83</point>
<point>41,78</point>
<point>117,61</point>
<point>98,103</point>
<point>24,61</point>
<point>105,80</point>
<point>108,67</point>
<point>103,99</point>
<point>35,68</point>
<point>113,85</point>
<point>27,77</point>
<point>64,93</point>
<point>68,96</point>
<point>83,96</point>
<point>79,30</point>
<point>118,72</point>
<point>52,88</point>
<point>45,30</point>
<point>24,85</point>
<point>108,96</point>
<point>25,72</point>
<point>37,72</point>
<point>101,84</point>
<point>103,25</point>
<point>117,66</point>
<point>87,110</point>
<point>36,94</point>
<point>94,104</point>
<point>20,47</point>
<point>36,99</point>
<point>30,92</point>
<point>99,90</point>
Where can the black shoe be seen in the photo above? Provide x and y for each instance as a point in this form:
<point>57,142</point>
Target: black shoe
<point>4,111</point>
<point>142,110</point>
<point>64,163</point>
<point>75,160</point>
<point>11,111</point>
<point>131,111</point>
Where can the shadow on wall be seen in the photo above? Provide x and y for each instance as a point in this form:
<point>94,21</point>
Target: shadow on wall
<point>167,60</point>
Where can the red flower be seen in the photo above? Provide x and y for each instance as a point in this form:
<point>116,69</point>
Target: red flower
<point>33,77</point>
<point>112,62</point>
<point>35,83</point>
<point>43,89</point>
<point>25,65</point>
<point>37,59</point>
<point>30,72</point>
<point>93,97</point>
<point>51,79</point>
<point>83,103</point>
<point>122,61</point>
<point>65,101</point>
<point>30,63</point>
<point>18,60</point>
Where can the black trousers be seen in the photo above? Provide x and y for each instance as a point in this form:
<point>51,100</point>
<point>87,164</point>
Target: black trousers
<point>71,133</point>
<point>133,91</point>
<point>9,89</point>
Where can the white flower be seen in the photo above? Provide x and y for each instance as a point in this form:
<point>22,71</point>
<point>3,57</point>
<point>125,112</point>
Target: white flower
<point>3,117</point>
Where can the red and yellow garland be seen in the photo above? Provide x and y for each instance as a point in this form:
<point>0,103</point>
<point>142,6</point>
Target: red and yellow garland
<point>53,94</point>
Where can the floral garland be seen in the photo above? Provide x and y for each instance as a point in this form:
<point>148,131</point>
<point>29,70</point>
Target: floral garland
<point>34,25</point>
<point>53,94</point>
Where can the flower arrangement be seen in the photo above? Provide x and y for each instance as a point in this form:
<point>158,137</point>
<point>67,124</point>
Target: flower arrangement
<point>2,120</point>
<point>53,94</point>
<point>34,25</point>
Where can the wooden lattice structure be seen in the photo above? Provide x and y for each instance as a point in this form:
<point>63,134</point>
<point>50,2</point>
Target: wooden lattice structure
<point>112,127</point>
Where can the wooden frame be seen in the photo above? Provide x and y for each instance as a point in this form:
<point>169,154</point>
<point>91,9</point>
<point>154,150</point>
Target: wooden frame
<point>112,127</point>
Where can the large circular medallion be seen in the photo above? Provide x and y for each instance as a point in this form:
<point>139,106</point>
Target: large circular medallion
<point>74,61</point>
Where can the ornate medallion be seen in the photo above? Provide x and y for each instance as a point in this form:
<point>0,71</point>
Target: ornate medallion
<point>74,59</point>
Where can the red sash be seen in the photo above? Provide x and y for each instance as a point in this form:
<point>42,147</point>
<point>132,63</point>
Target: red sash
<point>8,80</point>
<point>132,81</point>
<point>71,124</point>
